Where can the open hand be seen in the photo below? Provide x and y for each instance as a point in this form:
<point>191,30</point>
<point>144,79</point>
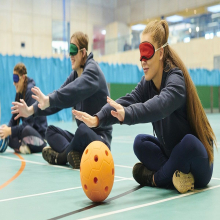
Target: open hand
<point>41,98</point>
<point>90,121</point>
<point>119,112</point>
<point>21,109</point>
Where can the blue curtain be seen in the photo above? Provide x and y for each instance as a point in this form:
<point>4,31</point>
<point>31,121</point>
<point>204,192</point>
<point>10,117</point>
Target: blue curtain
<point>121,73</point>
<point>49,75</point>
<point>204,77</point>
<point>128,73</point>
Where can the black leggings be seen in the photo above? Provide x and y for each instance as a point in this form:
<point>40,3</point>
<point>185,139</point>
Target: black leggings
<point>29,137</point>
<point>189,155</point>
<point>63,141</point>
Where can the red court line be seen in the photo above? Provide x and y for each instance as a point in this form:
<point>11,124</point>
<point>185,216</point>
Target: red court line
<point>23,163</point>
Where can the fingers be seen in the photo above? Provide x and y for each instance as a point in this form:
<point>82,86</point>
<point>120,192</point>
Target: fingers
<point>113,103</point>
<point>36,98</point>
<point>15,112</point>
<point>2,135</point>
<point>79,118</point>
<point>37,88</point>
<point>35,91</point>
<point>17,117</point>
<point>115,114</point>
<point>40,106</point>
<point>23,102</point>
<point>16,103</point>
<point>79,113</point>
<point>14,107</point>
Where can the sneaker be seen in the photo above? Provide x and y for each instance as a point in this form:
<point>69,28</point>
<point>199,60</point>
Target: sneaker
<point>24,149</point>
<point>142,175</point>
<point>183,182</point>
<point>74,159</point>
<point>50,155</point>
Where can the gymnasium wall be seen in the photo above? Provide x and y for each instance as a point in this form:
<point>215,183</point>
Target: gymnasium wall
<point>198,53</point>
<point>30,22</point>
<point>134,11</point>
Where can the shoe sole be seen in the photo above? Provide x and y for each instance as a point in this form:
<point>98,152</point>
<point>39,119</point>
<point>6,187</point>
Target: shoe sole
<point>74,159</point>
<point>46,155</point>
<point>183,182</point>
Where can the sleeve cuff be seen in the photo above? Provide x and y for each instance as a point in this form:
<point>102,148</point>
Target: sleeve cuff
<point>52,99</point>
<point>101,116</point>
<point>128,115</point>
<point>14,131</point>
<point>35,106</point>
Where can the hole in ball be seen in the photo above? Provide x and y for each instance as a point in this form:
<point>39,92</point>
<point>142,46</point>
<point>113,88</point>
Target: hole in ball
<point>113,171</point>
<point>96,158</point>
<point>106,152</point>
<point>87,151</point>
<point>95,180</point>
<point>106,189</point>
<point>85,187</point>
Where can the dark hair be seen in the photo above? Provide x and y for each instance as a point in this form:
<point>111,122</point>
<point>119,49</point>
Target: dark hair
<point>196,116</point>
<point>21,70</point>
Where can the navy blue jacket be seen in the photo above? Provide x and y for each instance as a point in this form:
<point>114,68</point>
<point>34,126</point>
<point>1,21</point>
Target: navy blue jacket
<point>87,93</point>
<point>38,123</point>
<point>165,109</point>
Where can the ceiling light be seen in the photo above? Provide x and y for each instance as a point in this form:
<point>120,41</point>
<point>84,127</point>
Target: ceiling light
<point>174,18</point>
<point>138,27</point>
<point>103,32</point>
<point>214,8</point>
<point>186,40</point>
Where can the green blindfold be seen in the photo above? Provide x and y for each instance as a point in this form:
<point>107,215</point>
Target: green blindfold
<point>73,49</point>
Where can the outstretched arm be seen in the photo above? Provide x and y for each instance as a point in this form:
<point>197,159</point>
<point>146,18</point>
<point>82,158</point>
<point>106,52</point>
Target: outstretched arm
<point>93,121</point>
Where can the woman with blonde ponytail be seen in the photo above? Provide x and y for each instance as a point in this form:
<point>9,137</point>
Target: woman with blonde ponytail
<point>182,151</point>
<point>28,136</point>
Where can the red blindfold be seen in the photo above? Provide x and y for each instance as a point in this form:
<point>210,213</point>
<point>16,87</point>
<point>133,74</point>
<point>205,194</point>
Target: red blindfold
<point>147,50</point>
